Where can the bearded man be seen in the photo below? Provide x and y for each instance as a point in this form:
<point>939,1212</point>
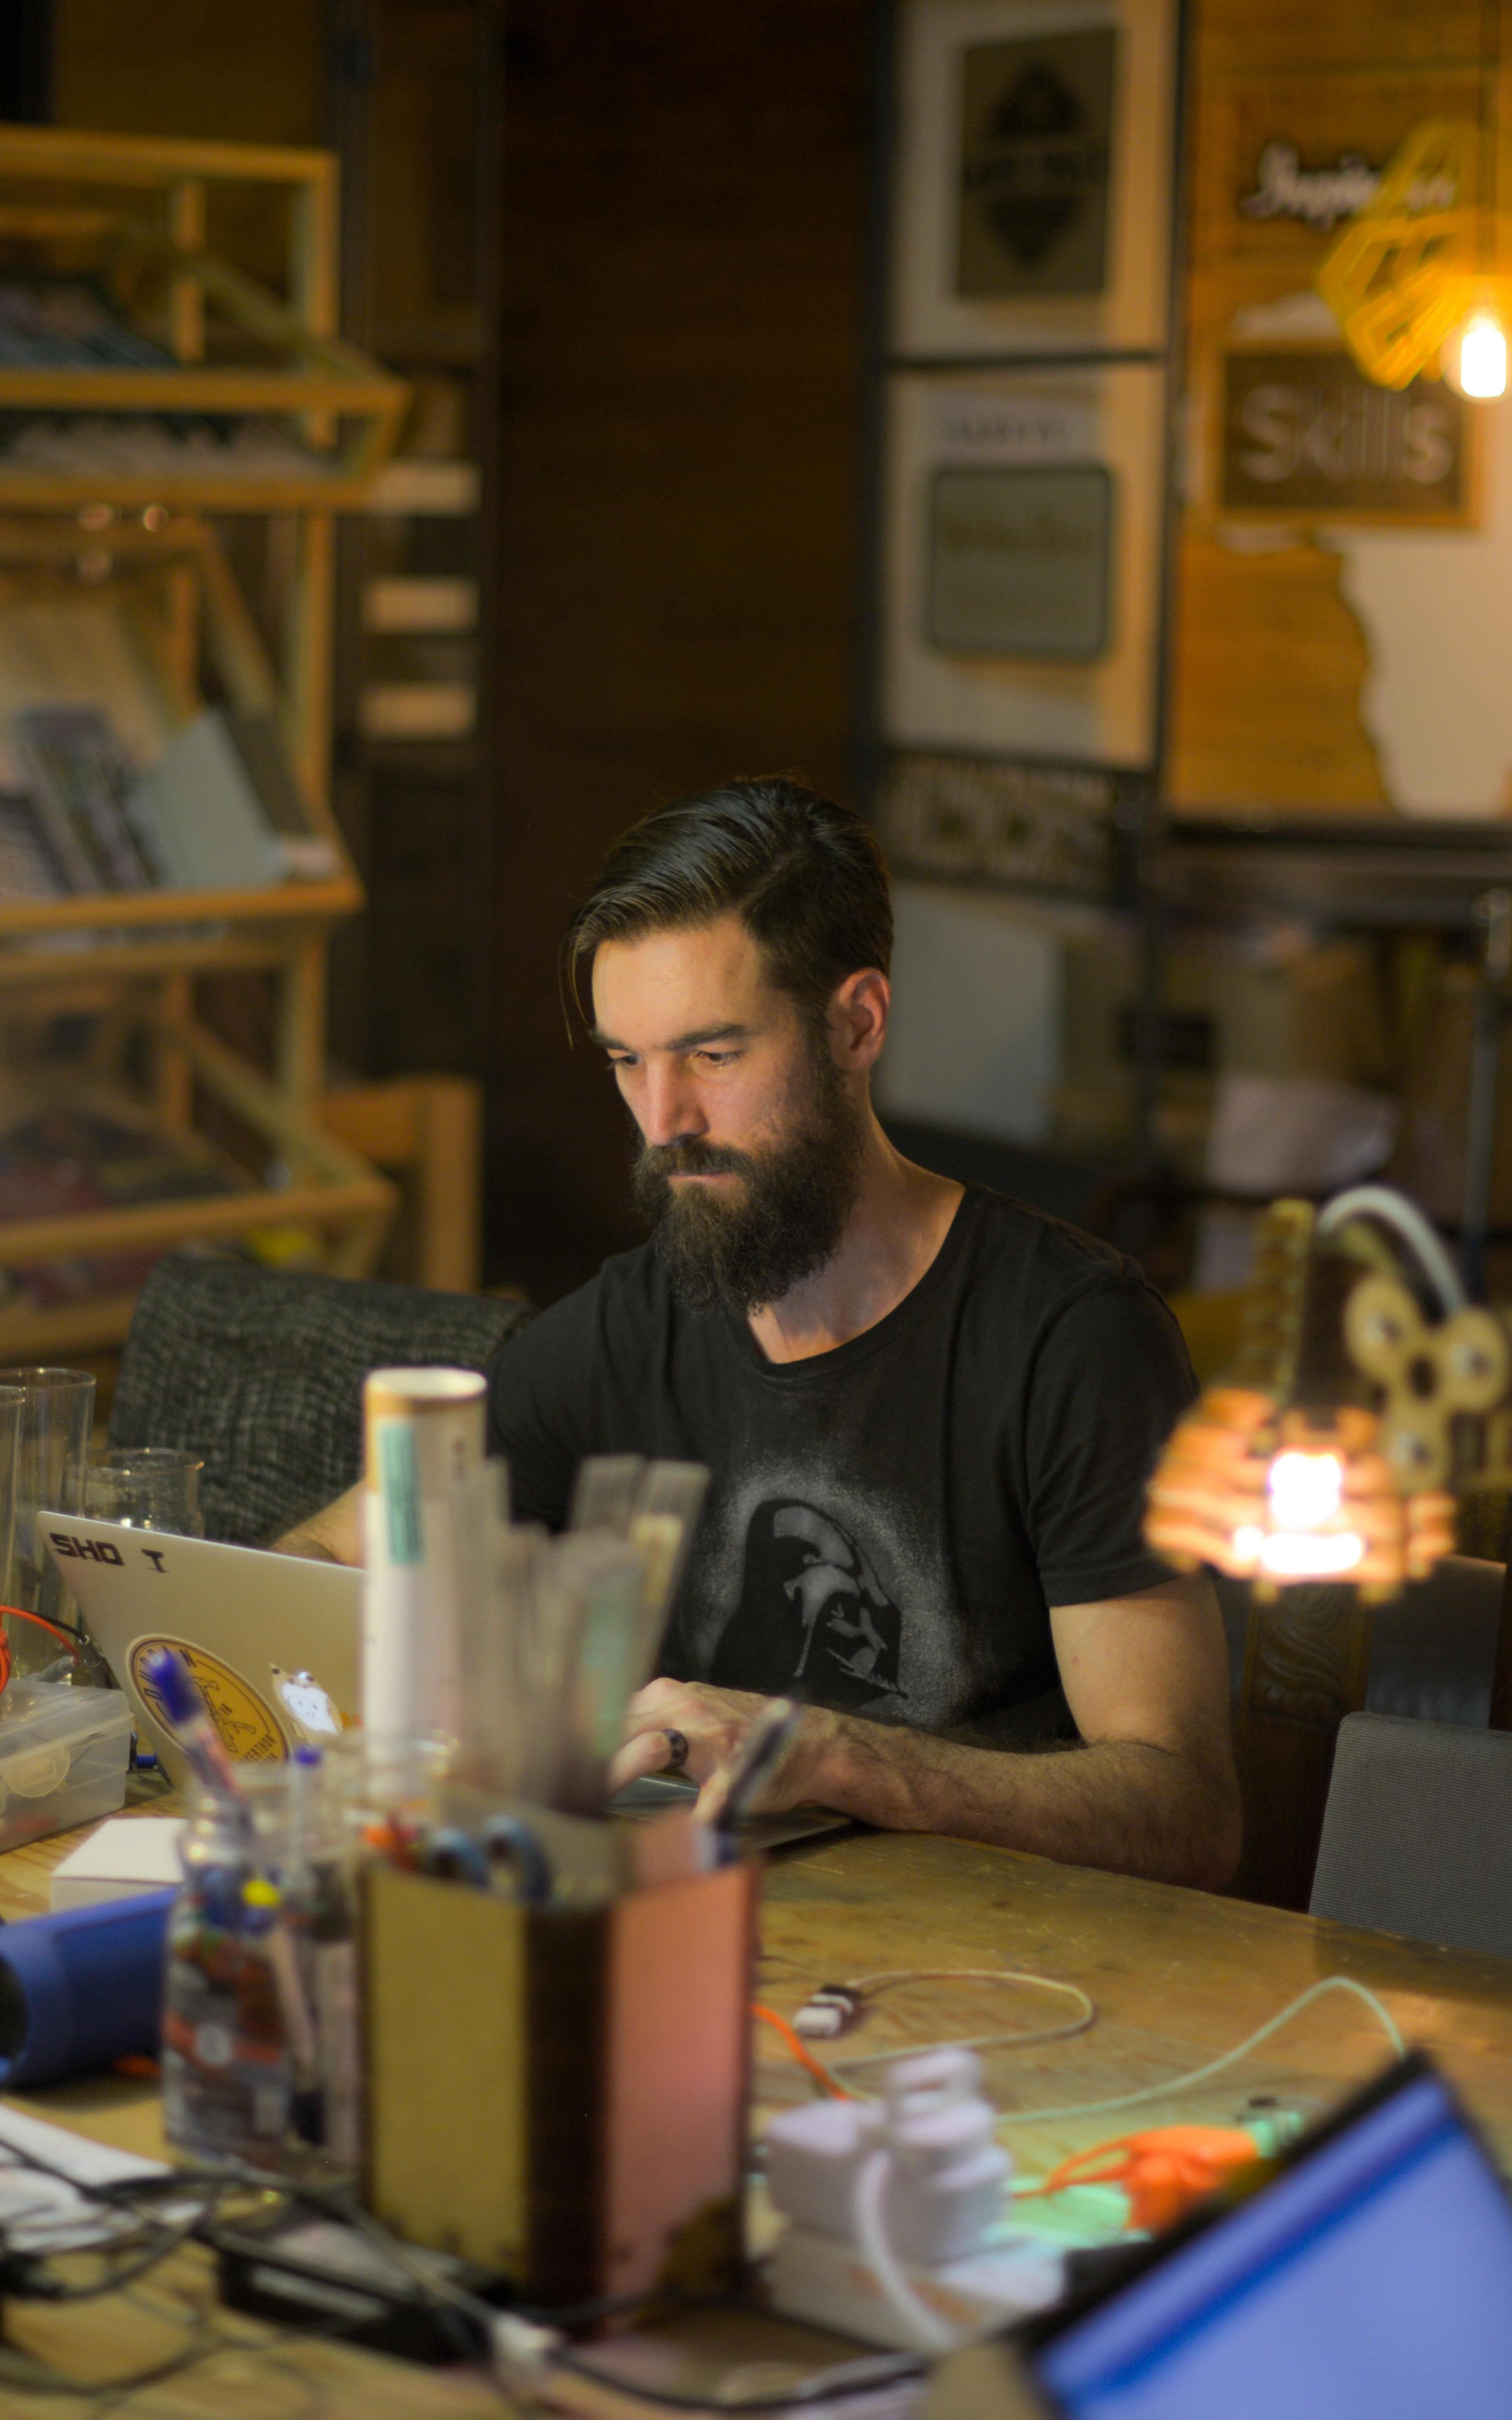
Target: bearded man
<point>929,1412</point>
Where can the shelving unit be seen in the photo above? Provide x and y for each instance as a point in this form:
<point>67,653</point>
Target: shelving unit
<point>128,214</point>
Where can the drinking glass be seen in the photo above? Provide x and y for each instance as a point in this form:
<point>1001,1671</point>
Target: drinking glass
<point>56,1413</point>
<point>13,1403</point>
<point>148,1487</point>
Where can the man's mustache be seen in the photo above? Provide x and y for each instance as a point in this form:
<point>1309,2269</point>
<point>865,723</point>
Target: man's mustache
<point>692,1157</point>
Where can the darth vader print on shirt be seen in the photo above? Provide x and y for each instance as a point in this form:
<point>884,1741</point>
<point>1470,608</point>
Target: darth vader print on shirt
<point>814,1619</point>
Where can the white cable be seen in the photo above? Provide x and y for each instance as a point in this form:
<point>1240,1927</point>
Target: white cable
<point>870,2233</point>
<point>1216,2066</point>
<point>1394,1210</point>
<point>867,1984</point>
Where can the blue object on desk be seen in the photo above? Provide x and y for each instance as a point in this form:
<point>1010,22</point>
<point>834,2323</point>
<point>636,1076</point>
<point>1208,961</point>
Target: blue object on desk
<point>82,1988</point>
<point>506,1842</point>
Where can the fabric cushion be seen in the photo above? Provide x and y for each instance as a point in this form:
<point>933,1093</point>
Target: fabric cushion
<point>1415,1833</point>
<point>262,1374</point>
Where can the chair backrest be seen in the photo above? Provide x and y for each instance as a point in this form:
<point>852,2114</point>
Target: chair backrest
<point>1305,1663</point>
<point>262,1374</point>
<point>1417,1836</point>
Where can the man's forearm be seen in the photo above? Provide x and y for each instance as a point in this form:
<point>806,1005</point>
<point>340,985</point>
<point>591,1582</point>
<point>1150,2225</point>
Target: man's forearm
<point>332,1535</point>
<point>1119,1804</point>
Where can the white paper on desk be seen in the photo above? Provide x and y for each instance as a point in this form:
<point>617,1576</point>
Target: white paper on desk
<point>46,2213</point>
<point>1270,1132</point>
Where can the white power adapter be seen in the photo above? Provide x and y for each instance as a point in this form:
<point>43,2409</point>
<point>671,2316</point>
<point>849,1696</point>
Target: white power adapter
<point>896,2212</point>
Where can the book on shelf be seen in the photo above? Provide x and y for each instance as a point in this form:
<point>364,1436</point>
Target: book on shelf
<point>227,808</point>
<point>220,810</point>
<point>67,323</point>
<point>28,868</point>
<point>72,1157</point>
<point>84,788</point>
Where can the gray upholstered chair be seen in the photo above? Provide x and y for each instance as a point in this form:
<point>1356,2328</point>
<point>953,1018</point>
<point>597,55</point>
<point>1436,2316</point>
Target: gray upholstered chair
<point>262,1374</point>
<point>1317,1657</point>
<point>1418,1832</point>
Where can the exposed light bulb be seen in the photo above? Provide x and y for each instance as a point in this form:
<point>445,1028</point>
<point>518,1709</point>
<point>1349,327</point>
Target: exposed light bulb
<point>1296,1555</point>
<point>1306,1489</point>
<point>1482,367</point>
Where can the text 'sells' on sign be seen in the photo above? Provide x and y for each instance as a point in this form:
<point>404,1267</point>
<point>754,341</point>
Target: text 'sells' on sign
<point>1307,431</point>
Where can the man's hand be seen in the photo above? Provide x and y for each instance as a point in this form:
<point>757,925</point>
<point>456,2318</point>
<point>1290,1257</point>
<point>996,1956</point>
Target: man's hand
<point>1150,1789</point>
<point>715,1722</point>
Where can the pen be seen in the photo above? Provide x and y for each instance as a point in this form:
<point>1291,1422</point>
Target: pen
<point>767,1743</point>
<point>187,1716</point>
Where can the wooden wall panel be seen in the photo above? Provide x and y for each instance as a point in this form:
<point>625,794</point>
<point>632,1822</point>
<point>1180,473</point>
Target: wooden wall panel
<point>684,206</point>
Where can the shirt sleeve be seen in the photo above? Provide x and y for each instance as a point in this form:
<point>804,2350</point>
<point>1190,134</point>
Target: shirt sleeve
<point>538,1406</point>
<point>1111,1380</point>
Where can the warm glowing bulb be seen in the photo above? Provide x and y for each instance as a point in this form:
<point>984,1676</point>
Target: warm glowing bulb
<point>1482,357</point>
<point>1306,1489</point>
<point>1298,1555</point>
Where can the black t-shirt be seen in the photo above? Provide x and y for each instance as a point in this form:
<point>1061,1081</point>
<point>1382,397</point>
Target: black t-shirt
<point>889,1523</point>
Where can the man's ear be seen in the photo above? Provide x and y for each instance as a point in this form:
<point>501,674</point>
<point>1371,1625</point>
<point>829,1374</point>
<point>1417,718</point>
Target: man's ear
<point>857,1020</point>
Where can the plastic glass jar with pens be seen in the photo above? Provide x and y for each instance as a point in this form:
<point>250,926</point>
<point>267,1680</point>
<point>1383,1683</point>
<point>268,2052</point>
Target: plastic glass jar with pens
<point>260,2047</point>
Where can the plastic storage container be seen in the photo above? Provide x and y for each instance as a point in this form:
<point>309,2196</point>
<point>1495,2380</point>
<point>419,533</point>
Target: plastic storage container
<point>63,1757</point>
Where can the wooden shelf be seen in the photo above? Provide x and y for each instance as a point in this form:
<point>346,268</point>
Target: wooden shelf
<point>319,382</point>
<point>138,207</point>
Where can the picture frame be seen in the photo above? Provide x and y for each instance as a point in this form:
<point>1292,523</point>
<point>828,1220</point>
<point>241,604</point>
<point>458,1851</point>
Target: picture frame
<point>1030,629</point>
<point>1031,183</point>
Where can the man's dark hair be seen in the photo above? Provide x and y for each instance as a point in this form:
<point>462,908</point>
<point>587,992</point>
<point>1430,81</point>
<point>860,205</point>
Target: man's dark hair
<point>806,879</point>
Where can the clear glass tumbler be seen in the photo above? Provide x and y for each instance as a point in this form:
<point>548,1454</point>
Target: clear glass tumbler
<point>148,1487</point>
<point>13,1403</point>
<point>56,1414</point>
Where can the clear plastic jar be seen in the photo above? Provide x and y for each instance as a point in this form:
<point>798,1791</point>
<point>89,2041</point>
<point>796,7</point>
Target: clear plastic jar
<point>259,2033</point>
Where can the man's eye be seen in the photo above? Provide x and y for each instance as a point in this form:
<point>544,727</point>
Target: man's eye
<point>718,1057</point>
<point>618,1064</point>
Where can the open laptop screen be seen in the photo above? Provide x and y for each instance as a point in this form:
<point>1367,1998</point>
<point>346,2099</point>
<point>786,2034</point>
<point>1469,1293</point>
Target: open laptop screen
<point>1373,2276</point>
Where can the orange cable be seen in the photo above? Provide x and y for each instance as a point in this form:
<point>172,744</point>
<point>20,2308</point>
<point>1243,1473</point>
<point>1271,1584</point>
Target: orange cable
<point>800,2052</point>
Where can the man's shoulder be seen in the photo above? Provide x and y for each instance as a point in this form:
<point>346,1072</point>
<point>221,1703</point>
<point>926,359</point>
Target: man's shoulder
<point>1049,1307</point>
<point>1043,1260</point>
<point>625,1292</point>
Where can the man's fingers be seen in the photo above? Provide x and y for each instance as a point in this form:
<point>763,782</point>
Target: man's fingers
<point>645,1753</point>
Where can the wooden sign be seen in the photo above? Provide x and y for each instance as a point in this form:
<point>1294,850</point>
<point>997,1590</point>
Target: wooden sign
<point>1039,827</point>
<point>1304,431</point>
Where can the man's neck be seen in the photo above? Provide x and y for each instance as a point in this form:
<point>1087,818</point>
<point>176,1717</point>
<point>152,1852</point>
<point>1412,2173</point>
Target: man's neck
<point>900,1217</point>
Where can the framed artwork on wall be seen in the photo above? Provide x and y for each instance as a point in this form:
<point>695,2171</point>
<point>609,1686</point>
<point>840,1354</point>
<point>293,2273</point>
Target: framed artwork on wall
<point>1031,180</point>
<point>1023,537</point>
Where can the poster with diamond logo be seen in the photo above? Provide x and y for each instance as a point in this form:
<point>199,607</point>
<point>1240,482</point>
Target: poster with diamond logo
<point>1036,139</point>
<point>1032,184</point>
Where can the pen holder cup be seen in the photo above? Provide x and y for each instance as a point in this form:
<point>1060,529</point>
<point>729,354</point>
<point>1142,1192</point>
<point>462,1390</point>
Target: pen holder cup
<point>557,2094</point>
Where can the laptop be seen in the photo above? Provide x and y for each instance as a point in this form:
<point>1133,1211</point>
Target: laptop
<point>273,1640</point>
<point>1369,2279</point>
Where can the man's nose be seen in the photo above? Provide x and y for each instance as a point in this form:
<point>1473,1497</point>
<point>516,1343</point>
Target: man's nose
<point>670,1106</point>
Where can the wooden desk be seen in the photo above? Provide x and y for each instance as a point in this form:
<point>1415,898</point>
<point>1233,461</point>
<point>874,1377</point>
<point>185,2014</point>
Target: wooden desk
<point>1177,1977</point>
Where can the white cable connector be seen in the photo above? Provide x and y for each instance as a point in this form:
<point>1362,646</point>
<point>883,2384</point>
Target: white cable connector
<point>894,2206</point>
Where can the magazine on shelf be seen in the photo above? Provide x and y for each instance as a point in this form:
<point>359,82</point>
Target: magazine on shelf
<point>220,809</point>
<point>85,788</point>
<point>225,805</point>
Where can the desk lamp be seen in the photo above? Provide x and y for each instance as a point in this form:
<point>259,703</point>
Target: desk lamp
<point>1366,1396</point>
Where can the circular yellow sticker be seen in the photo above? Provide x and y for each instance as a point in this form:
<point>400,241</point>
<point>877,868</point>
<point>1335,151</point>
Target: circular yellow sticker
<point>250,1731</point>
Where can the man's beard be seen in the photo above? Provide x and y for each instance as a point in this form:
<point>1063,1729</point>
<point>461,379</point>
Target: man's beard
<point>787,1219</point>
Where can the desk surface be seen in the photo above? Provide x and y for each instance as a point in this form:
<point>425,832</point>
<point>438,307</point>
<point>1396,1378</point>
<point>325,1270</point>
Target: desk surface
<point>1177,1978</point>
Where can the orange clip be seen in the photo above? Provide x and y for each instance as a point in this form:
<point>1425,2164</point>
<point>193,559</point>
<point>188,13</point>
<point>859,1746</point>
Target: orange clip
<point>1163,2171</point>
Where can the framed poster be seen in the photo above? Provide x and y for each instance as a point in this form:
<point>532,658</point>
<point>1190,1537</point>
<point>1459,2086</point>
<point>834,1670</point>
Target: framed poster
<point>1032,177</point>
<point>1021,563</point>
